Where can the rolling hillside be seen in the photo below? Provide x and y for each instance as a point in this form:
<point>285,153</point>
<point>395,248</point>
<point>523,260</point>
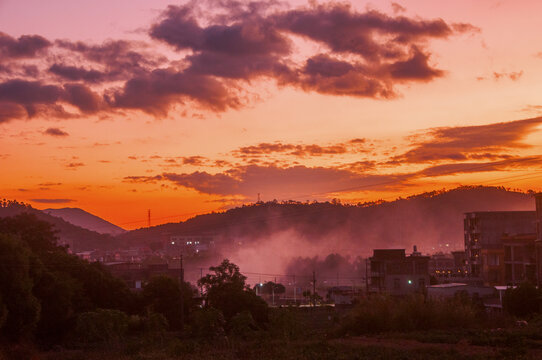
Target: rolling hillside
<point>86,220</point>
<point>432,221</point>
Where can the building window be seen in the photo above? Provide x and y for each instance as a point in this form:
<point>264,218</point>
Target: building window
<point>493,260</point>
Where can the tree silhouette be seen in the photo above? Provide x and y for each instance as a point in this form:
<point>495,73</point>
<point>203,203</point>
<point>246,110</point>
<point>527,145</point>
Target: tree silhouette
<point>227,291</point>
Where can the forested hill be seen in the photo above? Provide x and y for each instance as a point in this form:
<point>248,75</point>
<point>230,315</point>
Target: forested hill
<point>79,239</point>
<point>429,220</point>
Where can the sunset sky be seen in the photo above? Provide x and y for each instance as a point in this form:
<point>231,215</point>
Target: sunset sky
<point>120,106</point>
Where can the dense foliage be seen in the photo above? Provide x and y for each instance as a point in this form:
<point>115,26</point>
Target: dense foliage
<point>377,314</point>
<point>523,301</point>
<point>227,291</point>
<point>43,288</point>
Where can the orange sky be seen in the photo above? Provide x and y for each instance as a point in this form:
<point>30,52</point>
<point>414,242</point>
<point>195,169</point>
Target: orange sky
<point>389,101</point>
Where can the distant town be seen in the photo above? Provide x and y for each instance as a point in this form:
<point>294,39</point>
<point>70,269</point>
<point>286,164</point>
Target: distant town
<point>501,249</point>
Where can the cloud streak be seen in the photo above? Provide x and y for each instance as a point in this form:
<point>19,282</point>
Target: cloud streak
<point>55,132</point>
<point>470,142</point>
<point>52,201</point>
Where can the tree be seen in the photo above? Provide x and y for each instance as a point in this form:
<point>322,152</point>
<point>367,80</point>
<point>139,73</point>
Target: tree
<point>38,235</point>
<point>16,283</point>
<point>227,291</point>
<point>43,288</point>
<point>163,295</point>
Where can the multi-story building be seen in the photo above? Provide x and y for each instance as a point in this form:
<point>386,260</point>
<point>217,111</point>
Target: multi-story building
<point>392,272</point>
<point>484,232</point>
<point>519,259</point>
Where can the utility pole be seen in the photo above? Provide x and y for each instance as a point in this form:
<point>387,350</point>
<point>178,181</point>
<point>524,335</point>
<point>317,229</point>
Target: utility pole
<point>182,295</point>
<point>201,285</point>
<point>149,218</point>
<point>313,288</point>
<point>273,290</point>
<point>295,291</point>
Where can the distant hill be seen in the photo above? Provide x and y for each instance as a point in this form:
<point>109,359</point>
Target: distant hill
<point>86,220</point>
<point>79,239</point>
<point>433,221</point>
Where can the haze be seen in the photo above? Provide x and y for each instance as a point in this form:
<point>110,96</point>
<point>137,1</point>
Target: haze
<point>192,107</point>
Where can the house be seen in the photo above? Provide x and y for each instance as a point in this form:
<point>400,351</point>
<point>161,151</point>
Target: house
<point>392,272</point>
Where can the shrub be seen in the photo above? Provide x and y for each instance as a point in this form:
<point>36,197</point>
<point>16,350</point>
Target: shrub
<point>381,313</point>
<point>523,301</point>
<point>101,326</point>
<point>208,323</point>
<point>242,325</point>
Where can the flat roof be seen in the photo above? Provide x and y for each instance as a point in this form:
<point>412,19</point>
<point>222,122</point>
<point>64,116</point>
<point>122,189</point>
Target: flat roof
<point>447,285</point>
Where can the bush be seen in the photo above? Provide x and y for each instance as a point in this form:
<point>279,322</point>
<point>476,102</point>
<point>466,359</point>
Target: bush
<point>523,301</point>
<point>208,323</point>
<point>101,326</point>
<point>242,325</point>
<point>381,313</point>
<point>285,325</point>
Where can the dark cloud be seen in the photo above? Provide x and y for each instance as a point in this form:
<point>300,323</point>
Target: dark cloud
<point>470,142</point>
<point>301,150</point>
<point>26,46</point>
<point>156,92</point>
<point>372,34</point>
<point>10,111</point>
<point>302,182</point>
<point>327,75</point>
<point>277,182</point>
<point>253,35</point>
<point>50,184</point>
<point>246,43</point>
<point>81,96</point>
<point>195,160</point>
<point>74,73</point>
<point>142,179</point>
<point>52,201</point>
<point>222,47</point>
<point>414,68</point>
<point>117,56</point>
<point>465,168</point>
<point>21,98</point>
<point>55,132</point>
<point>74,165</point>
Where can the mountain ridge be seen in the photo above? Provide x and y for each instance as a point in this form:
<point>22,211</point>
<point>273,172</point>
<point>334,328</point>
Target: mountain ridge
<point>431,220</point>
<point>86,220</point>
